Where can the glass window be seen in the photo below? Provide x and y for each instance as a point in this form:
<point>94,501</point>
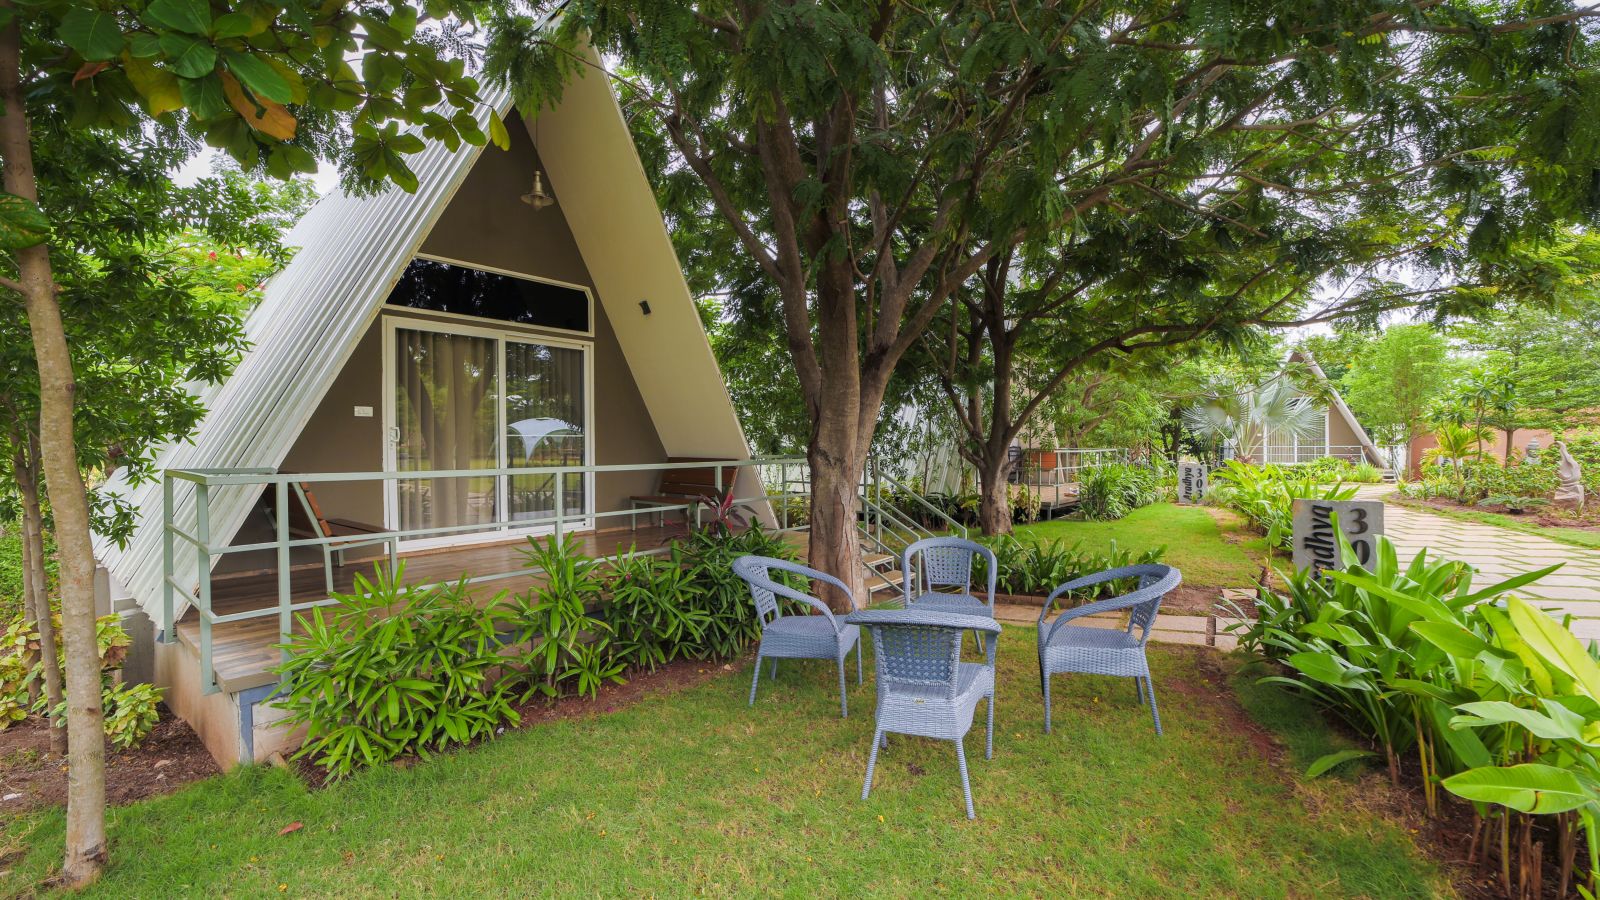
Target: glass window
<point>441,287</point>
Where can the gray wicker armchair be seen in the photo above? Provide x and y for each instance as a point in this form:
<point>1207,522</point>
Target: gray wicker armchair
<point>1106,651</point>
<point>932,564</point>
<point>923,687</point>
<point>823,636</point>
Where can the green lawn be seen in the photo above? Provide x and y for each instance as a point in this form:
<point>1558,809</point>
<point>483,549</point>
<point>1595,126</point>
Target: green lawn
<point>1195,542</point>
<point>1575,537</point>
<point>693,793</point>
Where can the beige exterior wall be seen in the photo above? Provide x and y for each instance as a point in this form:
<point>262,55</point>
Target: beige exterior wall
<point>487,225</point>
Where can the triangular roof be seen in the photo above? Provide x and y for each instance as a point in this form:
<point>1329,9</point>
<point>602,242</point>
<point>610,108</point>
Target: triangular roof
<point>1304,357</point>
<point>354,249</point>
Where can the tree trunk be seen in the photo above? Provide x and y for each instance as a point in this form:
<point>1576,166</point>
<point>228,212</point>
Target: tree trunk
<point>994,508</point>
<point>30,618</point>
<point>69,500</point>
<point>835,543</point>
<point>1510,433</point>
<point>36,588</point>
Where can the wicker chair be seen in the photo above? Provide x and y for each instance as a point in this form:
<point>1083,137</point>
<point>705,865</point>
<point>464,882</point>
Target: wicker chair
<point>923,687</point>
<point>946,562</point>
<point>798,636</point>
<point>1106,651</point>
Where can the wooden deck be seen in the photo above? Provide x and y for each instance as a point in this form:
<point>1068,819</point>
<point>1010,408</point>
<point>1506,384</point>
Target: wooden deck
<point>243,653</point>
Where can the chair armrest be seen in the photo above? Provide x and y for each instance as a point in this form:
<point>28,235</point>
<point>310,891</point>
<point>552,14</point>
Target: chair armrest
<point>1076,584</point>
<point>784,590</point>
<point>1170,578</point>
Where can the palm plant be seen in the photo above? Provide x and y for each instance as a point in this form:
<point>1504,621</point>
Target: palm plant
<point>1457,445</point>
<point>1245,416</point>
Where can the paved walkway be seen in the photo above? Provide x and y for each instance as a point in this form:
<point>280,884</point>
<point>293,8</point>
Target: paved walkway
<point>1498,554</point>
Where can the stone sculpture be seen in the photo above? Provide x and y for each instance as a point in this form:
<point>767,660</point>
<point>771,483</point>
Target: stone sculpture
<point>1569,477</point>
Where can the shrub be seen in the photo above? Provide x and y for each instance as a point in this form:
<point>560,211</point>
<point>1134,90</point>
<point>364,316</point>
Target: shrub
<point>395,668</point>
<point>1265,495</point>
<point>1364,473</point>
<point>650,611</point>
<point>720,596</point>
<point>1113,490</point>
<point>1496,700</point>
<point>1038,567</point>
<point>131,714</point>
<point>562,641</point>
<point>134,706</point>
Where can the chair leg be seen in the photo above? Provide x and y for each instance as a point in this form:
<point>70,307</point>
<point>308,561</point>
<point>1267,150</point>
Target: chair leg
<point>755,679</point>
<point>872,763</point>
<point>966,789</point>
<point>844,704</point>
<point>774,675</point>
<point>988,738</point>
<point>860,679</point>
<point>1155,715</point>
<point>1046,680</point>
<point>1138,689</point>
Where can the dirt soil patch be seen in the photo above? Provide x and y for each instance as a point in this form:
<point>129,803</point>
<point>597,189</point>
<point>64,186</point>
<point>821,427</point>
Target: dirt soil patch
<point>1543,516</point>
<point>31,778</point>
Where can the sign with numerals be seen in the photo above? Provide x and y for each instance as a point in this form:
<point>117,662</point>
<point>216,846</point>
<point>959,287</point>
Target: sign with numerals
<point>1315,544</point>
<point>1193,479</point>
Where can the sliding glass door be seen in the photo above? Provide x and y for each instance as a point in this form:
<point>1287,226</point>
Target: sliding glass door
<point>464,398</point>
<point>544,427</point>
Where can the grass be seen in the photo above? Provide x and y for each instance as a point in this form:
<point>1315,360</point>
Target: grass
<point>693,793</point>
<point>1574,537</point>
<point>1196,543</point>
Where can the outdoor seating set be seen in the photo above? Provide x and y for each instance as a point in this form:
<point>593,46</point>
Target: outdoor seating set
<point>924,687</point>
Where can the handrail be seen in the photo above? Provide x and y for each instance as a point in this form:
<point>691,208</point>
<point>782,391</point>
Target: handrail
<point>204,479</point>
<point>923,501</point>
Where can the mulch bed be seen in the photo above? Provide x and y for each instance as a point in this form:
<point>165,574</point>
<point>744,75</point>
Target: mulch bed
<point>1543,516</point>
<point>31,778</point>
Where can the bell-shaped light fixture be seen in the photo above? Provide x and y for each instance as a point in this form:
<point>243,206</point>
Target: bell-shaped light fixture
<point>538,198</point>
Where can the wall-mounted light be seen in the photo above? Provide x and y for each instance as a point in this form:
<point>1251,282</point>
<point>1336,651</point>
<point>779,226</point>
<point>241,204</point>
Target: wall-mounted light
<point>644,306</point>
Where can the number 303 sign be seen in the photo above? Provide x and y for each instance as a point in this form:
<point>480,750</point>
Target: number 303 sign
<point>1316,547</point>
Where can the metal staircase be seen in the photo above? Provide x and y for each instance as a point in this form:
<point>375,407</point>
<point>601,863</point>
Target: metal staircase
<point>891,518</point>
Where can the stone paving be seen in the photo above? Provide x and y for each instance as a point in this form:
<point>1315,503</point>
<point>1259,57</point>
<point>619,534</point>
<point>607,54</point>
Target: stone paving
<point>1498,554</point>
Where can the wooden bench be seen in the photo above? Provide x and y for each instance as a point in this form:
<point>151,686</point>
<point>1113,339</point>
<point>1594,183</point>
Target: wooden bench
<point>306,520</point>
<point>682,487</point>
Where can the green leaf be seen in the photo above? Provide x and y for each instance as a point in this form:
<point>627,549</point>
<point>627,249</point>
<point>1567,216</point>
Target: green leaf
<point>190,57</point>
<point>1555,645</point>
<point>22,223</point>
<point>1499,712</point>
<point>1451,638</point>
<point>1510,584</point>
<point>498,133</point>
<point>204,96</point>
<point>1329,669</point>
<point>235,24</point>
<point>262,79</point>
<point>159,88</point>
<point>1335,759</point>
<point>192,16</point>
<point>144,45</point>
<point>93,33</point>
<point>1531,788</point>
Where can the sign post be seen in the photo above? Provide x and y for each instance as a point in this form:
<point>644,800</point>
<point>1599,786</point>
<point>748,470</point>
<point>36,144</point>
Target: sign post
<point>1316,547</point>
<point>1193,479</point>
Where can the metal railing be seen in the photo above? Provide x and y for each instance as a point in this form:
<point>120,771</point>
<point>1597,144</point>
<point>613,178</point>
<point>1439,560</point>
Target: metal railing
<point>1039,469</point>
<point>200,539</point>
<point>1305,453</point>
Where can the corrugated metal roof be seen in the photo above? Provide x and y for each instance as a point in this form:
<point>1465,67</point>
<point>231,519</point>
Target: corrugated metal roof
<point>312,314</point>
